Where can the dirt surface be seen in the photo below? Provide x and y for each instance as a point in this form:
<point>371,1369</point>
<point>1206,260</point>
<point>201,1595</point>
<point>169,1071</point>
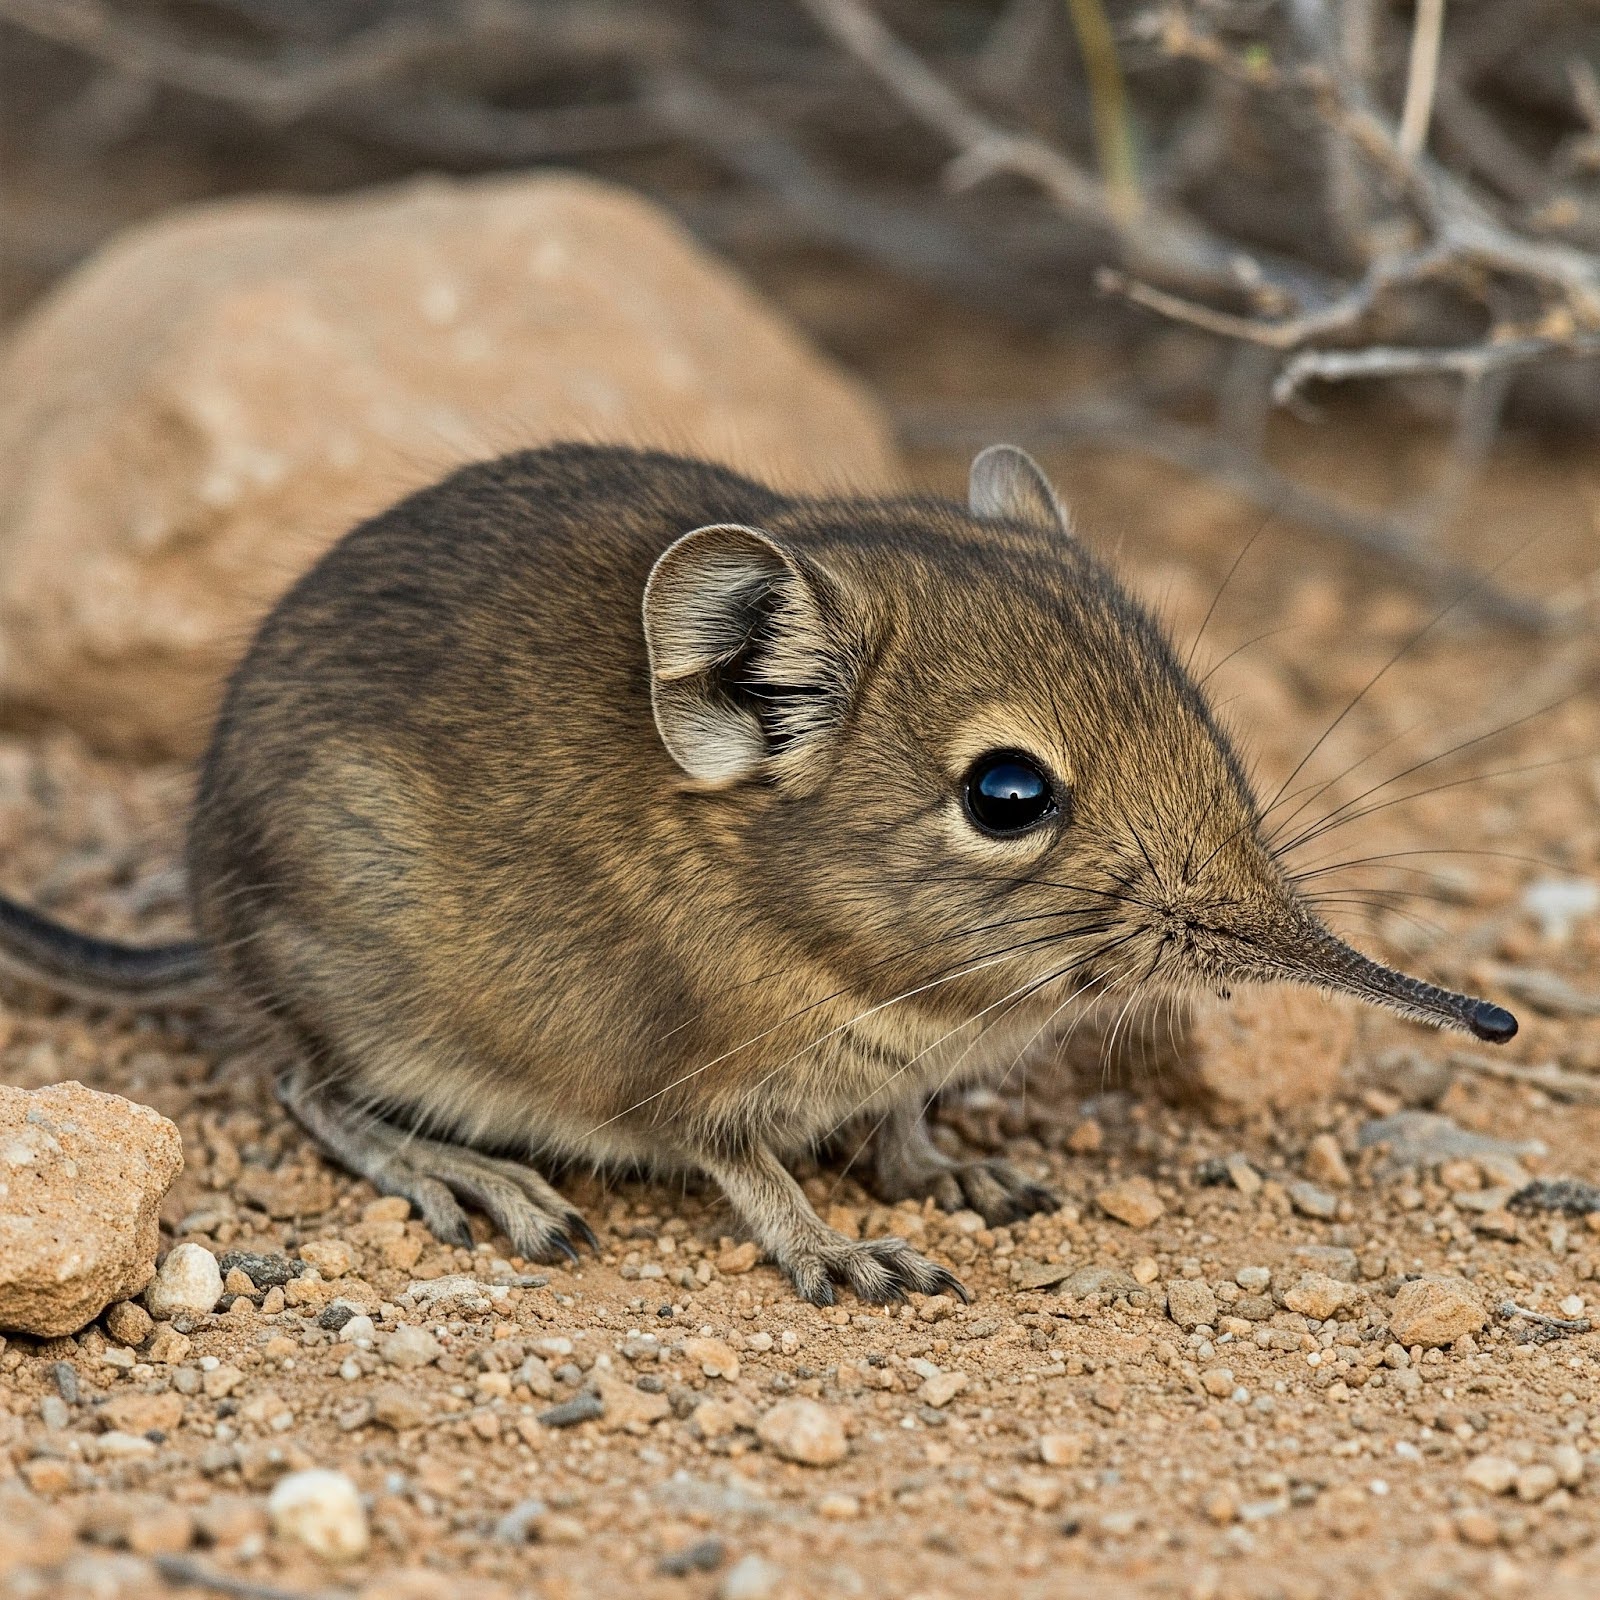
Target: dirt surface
<point>1061,1434</point>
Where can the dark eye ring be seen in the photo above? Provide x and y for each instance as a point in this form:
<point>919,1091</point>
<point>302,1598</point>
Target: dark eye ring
<point>1007,793</point>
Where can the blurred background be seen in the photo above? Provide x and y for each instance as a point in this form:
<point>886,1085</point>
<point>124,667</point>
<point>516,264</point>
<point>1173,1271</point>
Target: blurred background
<point>1196,232</point>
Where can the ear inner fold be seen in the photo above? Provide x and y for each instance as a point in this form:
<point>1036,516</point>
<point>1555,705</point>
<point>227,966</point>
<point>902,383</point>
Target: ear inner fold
<point>1006,482</point>
<point>741,660</point>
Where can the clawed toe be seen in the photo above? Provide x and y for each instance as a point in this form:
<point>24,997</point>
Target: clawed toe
<point>877,1271</point>
<point>996,1190</point>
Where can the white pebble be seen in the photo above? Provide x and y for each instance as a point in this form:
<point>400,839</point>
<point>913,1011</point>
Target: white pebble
<point>750,1578</point>
<point>322,1511</point>
<point>188,1284</point>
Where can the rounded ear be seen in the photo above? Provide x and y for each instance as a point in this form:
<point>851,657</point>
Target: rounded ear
<point>749,664</point>
<point>1008,482</point>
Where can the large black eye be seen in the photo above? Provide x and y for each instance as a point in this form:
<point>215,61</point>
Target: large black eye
<point>1007,793</point>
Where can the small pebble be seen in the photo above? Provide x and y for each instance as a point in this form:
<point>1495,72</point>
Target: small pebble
<point>1493,1474</point>
<point>1191,1304</point>
<point>189,1283</point>
<point>1433,1312</point>
<point>322,1511</point>
<point>704,1555</point>
<point>1325,1162</point>
<point>804,1431</point>
<point>128,1323</point>
<point>939,1390</point>
<point>409,1347</point>
<point>750,1578</point>
<point>1317,1295</point>
<point>518,1524</point>
<point>580,1408</point>
<point>714,1357</point>
<point>1132,1202</point>
<point>1477,1527</point>
<point>1310,1201</point>
<point>1062,1449</point>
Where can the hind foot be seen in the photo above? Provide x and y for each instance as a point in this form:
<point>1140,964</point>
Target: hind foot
<point>908,1165</point>
<point>816,1257</point>
<point>434,1176</point>
<point>878,1270</point>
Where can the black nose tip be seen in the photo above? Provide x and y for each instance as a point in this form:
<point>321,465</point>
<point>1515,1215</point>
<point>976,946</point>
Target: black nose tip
<point>1493,1023</point>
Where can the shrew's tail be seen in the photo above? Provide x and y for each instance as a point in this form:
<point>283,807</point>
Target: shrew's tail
<point>100,970</point>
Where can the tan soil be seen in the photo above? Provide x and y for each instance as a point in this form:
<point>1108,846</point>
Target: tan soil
<point>1095,1448</point>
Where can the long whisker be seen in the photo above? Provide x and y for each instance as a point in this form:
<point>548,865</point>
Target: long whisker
<point>1222,589</point>
<point>1405,649</point>
<point>1333,823</point>
<point>994,958</point>
<point>1443,755</point>
<point>1015,997</point>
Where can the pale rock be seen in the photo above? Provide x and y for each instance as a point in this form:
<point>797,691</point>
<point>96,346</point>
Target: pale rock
<point>751,1577</point>
<point>1537,1481</point>
<point>82,1178</point>
<point>331,1257</point>
<point>1493,1474</point>
<point>804,1431</point>
<point>456,1295</point>
<point>189,1283</point>
<point>1133,1202</point>
<point>627,1409</point>
<point>128,1323</point>
<point>1062,1449</point>
<point>167,1347</point>
<point>1568,1461</point>
<point>1036,1490</point>
<point>939,1390</point>
<point>398,1408</point>
<point>1325,1162</point>
<point>1190,1303</point>
<point>716,1419</point>
<point>409,1346</point>
<point>1310,1201</point>
<point>191,418</point>
<point>739,1258</point>
<point>1433,1312</point>
<point>321,1510</point>
<point>1317,1295</point>
<point>714,1357</point>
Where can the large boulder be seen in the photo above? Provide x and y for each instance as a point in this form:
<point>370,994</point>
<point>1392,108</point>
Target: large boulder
<point>197,413</point>
<point>82,1178</point>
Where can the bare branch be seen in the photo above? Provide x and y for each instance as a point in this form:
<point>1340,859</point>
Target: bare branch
<point>1389,361</point>
<point>1164,242</point>
<point>1422,76</point>
<point>926,248</point>
<point>274,92</point>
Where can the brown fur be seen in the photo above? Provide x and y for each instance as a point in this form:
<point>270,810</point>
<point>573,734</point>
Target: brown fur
<point>505,873</point>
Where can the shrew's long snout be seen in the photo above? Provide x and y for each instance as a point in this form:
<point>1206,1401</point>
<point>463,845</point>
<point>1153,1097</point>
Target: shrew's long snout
<point>1321,958</point>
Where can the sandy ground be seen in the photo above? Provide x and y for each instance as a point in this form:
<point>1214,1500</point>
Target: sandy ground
<point>1050,1438</point>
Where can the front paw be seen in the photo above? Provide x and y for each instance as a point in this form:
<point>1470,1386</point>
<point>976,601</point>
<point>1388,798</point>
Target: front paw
<point>878,1270</point>
<point>995,1189</point>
